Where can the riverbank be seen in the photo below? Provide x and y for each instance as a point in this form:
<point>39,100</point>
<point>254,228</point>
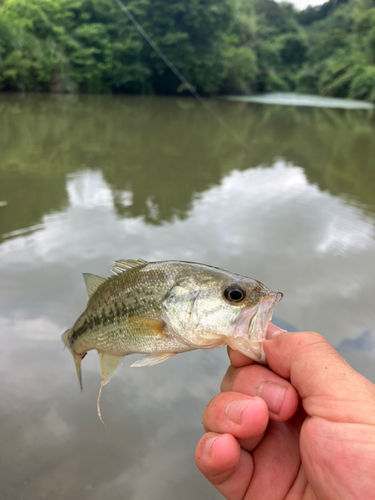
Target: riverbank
<point>221,47</point>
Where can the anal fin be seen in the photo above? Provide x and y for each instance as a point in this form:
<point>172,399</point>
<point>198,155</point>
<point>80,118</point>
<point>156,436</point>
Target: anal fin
<point>153,359</point>
<point>108,366</point>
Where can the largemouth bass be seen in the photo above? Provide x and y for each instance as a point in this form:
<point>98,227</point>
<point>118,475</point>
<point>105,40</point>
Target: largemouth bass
<point>164,308</point>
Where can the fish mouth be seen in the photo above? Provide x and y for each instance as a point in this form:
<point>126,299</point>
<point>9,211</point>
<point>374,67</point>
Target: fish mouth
<point>252,325</point>
<point>258,323</point>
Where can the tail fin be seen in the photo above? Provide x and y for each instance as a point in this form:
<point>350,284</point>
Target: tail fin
<point>77,357</point>
<point>65,337</point>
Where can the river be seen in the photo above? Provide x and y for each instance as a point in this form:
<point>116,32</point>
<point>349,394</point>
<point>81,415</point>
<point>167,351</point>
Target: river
<point>283,194</point>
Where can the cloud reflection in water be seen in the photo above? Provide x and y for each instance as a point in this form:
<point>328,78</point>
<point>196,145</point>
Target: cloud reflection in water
<point>268,223</point>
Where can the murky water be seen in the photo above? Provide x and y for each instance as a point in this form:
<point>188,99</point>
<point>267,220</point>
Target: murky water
<point>86,180</point>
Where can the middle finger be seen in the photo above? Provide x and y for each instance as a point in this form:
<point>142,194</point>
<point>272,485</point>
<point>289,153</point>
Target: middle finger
<point>256,380</point>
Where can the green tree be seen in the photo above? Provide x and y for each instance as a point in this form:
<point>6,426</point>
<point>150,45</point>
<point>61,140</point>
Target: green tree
<point>220,46</point>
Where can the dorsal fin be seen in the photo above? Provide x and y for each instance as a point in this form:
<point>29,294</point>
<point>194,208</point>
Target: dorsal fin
<point>122,266</point>
<point>93,282</point>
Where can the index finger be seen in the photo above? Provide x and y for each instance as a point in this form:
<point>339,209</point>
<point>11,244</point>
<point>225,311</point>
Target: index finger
<point>238,360</point>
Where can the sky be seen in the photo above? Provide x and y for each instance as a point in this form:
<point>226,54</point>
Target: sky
<point>302,4</point>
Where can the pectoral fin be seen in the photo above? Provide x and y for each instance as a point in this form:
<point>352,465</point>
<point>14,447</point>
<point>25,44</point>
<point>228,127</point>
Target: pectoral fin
<point>153,359</point>
<point>147,327</point>
<point>108,366</point>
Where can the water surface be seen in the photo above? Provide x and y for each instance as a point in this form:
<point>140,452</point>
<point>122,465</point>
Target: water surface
<point>295,99</point>
<point>86,180</point>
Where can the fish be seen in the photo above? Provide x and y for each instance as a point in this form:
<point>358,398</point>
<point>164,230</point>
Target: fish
<point>164,308</point>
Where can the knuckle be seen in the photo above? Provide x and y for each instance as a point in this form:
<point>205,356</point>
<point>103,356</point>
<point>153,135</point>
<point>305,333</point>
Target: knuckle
<point>239,378</point>
<point>227,380</point>
<point>243,379</point>
<point>212,412</point>
<point>309,339</point>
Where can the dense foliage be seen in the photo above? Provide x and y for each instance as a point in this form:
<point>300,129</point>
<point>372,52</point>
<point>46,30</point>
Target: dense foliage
<point>221,46</point>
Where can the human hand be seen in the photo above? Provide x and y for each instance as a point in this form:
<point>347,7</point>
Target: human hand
<point>302,429</point>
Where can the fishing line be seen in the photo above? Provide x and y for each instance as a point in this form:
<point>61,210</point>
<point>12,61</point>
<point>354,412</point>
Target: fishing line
<point>179,75</point>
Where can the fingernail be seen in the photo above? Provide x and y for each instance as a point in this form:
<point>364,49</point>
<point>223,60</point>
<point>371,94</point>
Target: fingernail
<point>208,445</point>
<point>235,409</point>
<point>273,394</point>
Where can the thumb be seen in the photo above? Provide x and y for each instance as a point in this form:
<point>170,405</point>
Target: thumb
<point>328,386</point>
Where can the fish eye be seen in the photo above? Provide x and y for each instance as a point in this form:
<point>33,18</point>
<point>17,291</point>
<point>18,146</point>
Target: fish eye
<point>234,293</point>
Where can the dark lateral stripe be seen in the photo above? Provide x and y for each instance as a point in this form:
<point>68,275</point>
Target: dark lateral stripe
<point>118,312</point>
<point>78,332</point>
<point>91,322</point>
